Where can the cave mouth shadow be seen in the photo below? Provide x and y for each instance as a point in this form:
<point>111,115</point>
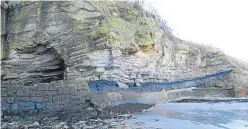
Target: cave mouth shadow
<point>60,65</point>
<point>50,68</point>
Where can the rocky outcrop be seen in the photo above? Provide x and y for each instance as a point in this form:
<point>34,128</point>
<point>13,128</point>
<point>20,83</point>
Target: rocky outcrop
<point>76,41</point>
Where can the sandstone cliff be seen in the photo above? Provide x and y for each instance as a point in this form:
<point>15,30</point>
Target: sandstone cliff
<point>64,44</point>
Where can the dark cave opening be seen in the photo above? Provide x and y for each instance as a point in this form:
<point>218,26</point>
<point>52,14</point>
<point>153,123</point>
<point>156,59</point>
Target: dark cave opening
<point>58,71</point>
<point>51,65</point>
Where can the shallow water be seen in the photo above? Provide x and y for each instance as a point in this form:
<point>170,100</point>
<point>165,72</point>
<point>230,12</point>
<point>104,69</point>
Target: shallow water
<point>222,115</point>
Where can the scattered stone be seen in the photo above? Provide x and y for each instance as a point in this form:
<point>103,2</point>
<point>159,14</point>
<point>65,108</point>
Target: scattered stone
<point>65,127</point>
<point>90,109</point>
<point>155,119</point>
<point>12,125</point>
<point>112,125</point>
<point>125,116</point>
<point>88,124</point>
<point>76,127</point>
<point>47,127</point>
<point>124,126</point>
<point>122,85</point>
<point>36,124</point>
<point>7,119</point>
<point>62,123</point>
<point>137,84</point>
<point>23,127</point>
<point>4,124</point>
<point>56,126</point>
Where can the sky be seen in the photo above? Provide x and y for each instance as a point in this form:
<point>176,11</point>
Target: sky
<point>221,23</point>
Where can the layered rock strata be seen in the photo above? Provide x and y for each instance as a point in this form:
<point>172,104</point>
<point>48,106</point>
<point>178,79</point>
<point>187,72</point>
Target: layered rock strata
<point>72,43</point>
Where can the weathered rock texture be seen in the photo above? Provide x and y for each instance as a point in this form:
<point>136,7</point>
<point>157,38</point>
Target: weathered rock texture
<point>69,43</point>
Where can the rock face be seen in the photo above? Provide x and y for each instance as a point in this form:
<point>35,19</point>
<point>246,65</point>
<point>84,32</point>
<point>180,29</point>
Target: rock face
<point>65,44</point>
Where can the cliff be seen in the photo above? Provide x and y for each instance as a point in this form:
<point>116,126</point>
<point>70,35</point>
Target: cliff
<point>86,44</point>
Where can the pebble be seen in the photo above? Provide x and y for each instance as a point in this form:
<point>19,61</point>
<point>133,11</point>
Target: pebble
<point>62,123</point>
<point>15,127</point>
<point>47,127</point>
<point>65,127</point>
<point>88,124</point>
<point>23,127</point>
<point>90,109</point>
<point>4,124</point>
<point>56,127</point>
<point>36,123</point>
<point>76,127</point>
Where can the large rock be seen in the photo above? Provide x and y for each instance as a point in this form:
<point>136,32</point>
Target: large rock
<point>74,41</point>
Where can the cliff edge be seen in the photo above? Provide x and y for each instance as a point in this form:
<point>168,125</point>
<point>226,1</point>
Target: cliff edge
<point>65,48</point>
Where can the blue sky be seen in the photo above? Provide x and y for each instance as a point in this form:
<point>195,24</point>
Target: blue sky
<point>221,23</point>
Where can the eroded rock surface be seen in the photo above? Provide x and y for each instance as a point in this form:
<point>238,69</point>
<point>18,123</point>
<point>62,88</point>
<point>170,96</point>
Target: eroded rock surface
<point>65,44</point>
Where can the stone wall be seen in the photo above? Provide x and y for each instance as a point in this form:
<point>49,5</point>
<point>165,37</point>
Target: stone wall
<point>42,95</point>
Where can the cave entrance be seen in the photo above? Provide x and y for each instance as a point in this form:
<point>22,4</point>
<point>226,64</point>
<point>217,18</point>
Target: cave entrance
<point>55,66</point>
<point>46,65</point>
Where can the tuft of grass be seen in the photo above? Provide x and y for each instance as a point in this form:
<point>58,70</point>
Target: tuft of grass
<point>181,51</point>
<point>214,59</point>
<point>150,23</point>
<point>143,39</point>
<point>132,13</point>
<point>13,46</point>
<point>22,1</point>
<point>98,73</point>
<point>39,12</point>
<point>113,23</point>
<point>101,32</point>
<point>217,58</point>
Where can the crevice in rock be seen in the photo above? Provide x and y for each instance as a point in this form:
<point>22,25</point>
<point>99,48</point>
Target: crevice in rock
<point>36,64</point>
<point>57,73</point>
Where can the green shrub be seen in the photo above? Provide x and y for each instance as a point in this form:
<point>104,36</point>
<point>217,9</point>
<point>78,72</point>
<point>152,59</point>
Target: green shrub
<point>114,22</point>
<point>101,32</point>
<point>143,39</point>
<point>181,51</point>
<point>132,13</point>
<point>13,46</point>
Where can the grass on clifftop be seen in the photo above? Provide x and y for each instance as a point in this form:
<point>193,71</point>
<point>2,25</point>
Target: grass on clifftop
<point>134,25</point>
